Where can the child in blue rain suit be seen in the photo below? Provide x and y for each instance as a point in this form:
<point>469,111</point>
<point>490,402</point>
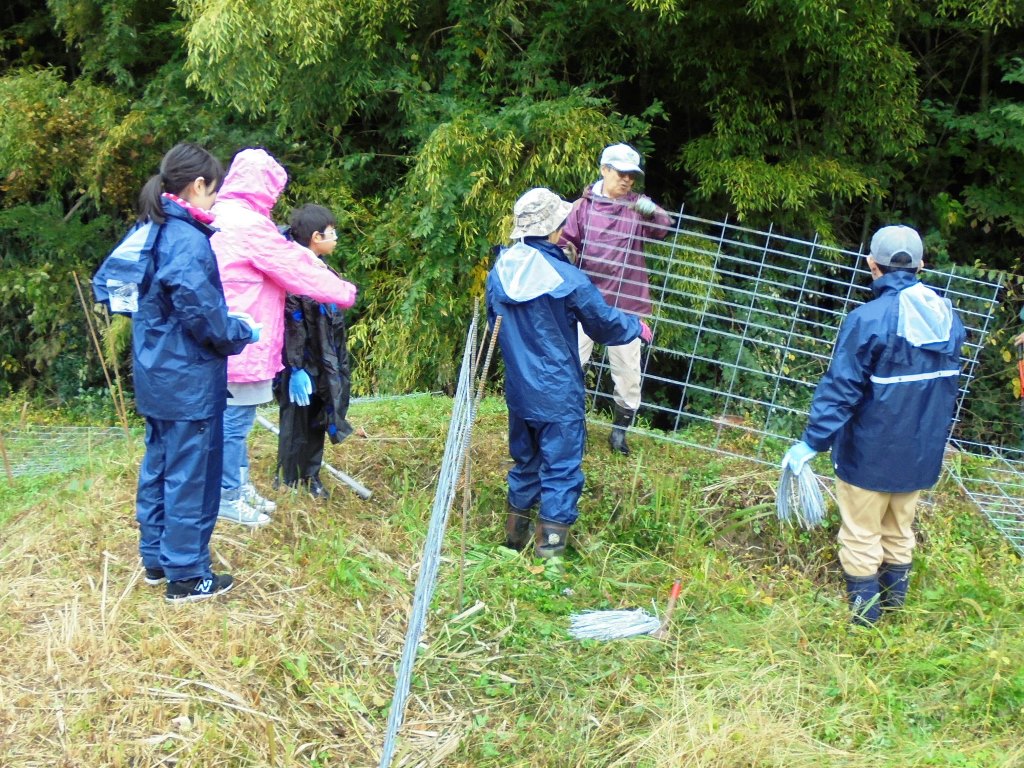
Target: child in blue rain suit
<point>181,338</point>
<point>541,297</point>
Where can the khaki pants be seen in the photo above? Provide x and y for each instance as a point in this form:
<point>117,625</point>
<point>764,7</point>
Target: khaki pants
<point>876,528</point>
<point>624,361</point>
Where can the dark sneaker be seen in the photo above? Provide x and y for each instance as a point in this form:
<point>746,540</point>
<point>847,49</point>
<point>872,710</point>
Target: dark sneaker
<point>191,590</point>
<point>155,576</point>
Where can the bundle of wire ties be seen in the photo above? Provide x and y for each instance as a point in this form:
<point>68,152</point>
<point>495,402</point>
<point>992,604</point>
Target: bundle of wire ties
<point>612,625</point>
<point>799,495</point>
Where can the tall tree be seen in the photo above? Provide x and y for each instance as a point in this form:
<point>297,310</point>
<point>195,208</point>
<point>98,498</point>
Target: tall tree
<point>422,122</point>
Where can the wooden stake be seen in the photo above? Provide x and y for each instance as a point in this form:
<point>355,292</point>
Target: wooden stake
<point>118,407</point>
<point>7,462</point>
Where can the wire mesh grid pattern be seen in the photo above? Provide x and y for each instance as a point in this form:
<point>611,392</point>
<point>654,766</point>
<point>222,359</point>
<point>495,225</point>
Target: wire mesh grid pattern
<point>993,479</point>
<point>31,450</point>
<point>456,447</point>
<point>744,325</point>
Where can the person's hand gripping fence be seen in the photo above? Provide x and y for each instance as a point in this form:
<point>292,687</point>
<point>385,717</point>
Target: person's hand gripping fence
<point>299,387</point>
<point>798,492</point>
<point>645,206</point>
<point>646,334</point>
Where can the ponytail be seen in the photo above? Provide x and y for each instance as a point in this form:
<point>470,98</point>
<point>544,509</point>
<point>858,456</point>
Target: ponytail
<point>149,200</point>
<point>182,165</point>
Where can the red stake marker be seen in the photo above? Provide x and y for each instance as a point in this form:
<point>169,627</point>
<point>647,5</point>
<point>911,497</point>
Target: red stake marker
<point>662,632</point>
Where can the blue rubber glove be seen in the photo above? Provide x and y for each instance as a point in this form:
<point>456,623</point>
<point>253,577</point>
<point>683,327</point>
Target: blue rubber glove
<point>645,206</point>
<point>798,455</point>
<point>254,327</point>
<point>299,387</point>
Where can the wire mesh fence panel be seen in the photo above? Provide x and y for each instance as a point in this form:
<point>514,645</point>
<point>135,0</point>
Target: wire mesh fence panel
<point>456,448</point>
<point>30,450</point>
<point>744,326</point>
<point>993,478</point>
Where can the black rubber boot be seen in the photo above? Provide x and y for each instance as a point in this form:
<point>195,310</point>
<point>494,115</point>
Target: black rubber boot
<point>623,420</point>
<point>316,488</point>
<point>517,526</point>
<point>893,580</point>
<point>862,592</point>
<point>550,539</point>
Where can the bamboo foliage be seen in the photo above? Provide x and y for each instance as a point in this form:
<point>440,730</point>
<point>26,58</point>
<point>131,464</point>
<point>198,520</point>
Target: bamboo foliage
<point>420,124</point>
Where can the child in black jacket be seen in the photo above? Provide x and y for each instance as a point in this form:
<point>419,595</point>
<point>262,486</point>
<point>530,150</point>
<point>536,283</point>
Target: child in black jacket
<point>314,388</point>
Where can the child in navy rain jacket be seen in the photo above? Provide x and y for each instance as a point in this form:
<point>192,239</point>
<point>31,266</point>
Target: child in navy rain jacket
<point>885,408</point>
<point>541,297</point>
<point>181,338</point>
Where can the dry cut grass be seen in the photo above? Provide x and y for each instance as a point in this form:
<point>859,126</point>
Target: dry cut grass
<point>295,667</point>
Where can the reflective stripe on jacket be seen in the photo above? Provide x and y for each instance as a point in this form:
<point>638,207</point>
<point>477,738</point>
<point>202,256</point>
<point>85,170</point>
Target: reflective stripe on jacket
<point>885,407</point>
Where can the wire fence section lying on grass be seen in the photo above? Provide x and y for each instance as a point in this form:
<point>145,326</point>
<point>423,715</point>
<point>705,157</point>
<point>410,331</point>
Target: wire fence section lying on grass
<point>993,479</point>
<point>31,450</point>
<point>744,325</point>
<point>455,449</point>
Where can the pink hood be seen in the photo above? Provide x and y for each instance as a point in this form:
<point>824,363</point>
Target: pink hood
<point>258,265</point>
<point>254,178</point>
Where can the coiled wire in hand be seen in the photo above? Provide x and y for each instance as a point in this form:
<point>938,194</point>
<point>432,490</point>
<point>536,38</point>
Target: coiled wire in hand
<point>799,496</point>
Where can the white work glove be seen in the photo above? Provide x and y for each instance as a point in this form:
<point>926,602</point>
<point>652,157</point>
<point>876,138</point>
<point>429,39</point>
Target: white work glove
<point>645,206</point>
<point>798,455</point>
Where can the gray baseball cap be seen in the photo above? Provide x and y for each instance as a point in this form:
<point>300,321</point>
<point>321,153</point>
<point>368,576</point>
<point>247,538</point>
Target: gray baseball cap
<point>897,246</point>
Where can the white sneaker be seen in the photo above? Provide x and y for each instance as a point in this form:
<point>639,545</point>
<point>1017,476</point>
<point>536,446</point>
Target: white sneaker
<point>240,511</point>
<point>253,499</point>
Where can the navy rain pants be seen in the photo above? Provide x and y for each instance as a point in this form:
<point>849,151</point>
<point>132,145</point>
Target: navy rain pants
<point>179,494</point>
<point>548,457</point>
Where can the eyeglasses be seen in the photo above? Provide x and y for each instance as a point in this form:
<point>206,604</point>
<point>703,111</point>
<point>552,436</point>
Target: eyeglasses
<point>329,234</point>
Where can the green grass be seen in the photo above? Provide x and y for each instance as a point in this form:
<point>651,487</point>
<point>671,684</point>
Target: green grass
<point>296,666</point>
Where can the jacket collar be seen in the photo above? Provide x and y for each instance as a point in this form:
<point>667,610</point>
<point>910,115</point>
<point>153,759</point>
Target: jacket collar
<point>545,246</point>
<point>174,211</point>
<point>894,282</point>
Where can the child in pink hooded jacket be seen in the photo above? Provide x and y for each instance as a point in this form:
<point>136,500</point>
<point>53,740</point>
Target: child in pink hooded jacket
<point>258,266</point>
